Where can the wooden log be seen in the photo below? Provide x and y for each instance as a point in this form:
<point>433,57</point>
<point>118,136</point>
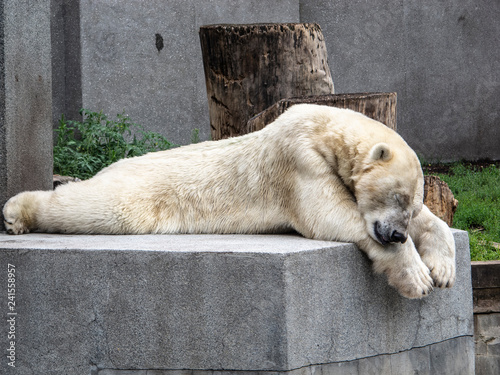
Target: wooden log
<point>61,180</point>
<point>250,67</point>
<point>439,199</point>
<point>378,106</point>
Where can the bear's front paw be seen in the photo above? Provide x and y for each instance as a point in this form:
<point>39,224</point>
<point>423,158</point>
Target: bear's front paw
<point>436,246</point>
<point>442,269</point>
<point>405,270</point>
<point>412,281</point>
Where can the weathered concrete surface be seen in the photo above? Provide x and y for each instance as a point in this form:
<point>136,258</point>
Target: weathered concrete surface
<point>25,98</point>
<point>486,300</point>
<point>447,357</point>
<point>487,343</point>
<point>122,68</point>
<point>254,303</point>
<point>442,58</point>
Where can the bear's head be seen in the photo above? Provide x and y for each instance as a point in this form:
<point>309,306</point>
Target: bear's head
<point>389,191</point>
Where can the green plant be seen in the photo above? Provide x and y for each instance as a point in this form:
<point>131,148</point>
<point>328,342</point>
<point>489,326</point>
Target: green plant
<point>84,148</point>
<point>478,212</point>
<point>195,135</point>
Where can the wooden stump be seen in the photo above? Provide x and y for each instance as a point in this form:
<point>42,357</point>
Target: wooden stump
<point>250,67</point>
<point>61,180</point>
<point>439,199</point>
<point>378,106</point>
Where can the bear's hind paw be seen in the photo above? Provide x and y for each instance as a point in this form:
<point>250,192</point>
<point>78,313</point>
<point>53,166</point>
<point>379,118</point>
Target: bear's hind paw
<point>15,213</point>
<point>16,227</point>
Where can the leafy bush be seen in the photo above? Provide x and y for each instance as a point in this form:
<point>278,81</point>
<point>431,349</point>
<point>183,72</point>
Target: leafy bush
<point>84,148</point>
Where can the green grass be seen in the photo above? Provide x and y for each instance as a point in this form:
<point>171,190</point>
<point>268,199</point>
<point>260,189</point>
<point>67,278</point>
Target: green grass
<point>478,193</point>
<point>85,147</point>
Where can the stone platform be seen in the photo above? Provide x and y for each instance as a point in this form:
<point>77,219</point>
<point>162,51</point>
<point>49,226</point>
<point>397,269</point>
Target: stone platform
<point>180,304</point>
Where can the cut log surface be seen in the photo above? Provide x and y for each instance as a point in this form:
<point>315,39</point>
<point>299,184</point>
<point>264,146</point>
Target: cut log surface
<point>439,199</point>
<point>250,67</point>
<point>378,106</point>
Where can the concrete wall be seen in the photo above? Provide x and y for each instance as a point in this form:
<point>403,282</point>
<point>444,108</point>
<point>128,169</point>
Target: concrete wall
<point>122,69</point>
<point>440,57</point>
<point>66,59</point>
<point>269,304</point>
<point>25,97</point>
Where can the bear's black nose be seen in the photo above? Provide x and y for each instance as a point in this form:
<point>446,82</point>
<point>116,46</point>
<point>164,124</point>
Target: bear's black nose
<point>398,237</point>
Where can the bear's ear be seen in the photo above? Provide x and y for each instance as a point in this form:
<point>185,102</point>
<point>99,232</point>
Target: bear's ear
<point>381,151</point>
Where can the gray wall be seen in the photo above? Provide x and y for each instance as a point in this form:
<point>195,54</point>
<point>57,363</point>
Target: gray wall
<point>442,58</point>
<point>121,68</point>
<point>66,61</point>
<point>25,97</point>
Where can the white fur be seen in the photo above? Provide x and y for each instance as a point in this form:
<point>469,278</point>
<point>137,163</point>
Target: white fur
<point>327,173</point>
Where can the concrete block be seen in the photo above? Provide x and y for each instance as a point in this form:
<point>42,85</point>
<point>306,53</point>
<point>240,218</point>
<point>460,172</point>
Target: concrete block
<point>247,303</point>
<point>25,97</point>
<point>415,361</point>
<point>487,343</point>
<point>452,357</point>
<point>494,348</point>
<point>487,325</point>
<point>486,274</point>
<point>486,287</point>
<point>435,55</point>
<point>487,365</point>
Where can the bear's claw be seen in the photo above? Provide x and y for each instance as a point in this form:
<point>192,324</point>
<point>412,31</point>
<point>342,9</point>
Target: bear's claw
<point>442,268</point>
<point>410,276</point>
<point>416,284</point>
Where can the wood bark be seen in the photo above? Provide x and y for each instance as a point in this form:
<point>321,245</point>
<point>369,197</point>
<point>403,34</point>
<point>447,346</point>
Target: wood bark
<point>250,67</point>
<point>439,199</point>
<point>61,180</point>
<point>378,106</point>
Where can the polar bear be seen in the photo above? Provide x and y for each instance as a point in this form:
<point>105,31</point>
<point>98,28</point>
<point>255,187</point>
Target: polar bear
<point>327,173</point>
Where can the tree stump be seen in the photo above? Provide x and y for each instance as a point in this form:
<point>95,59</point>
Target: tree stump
<point>378,106</point>
<point>439,199</point>
<point>250,67</point>
<point>61,180</point>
